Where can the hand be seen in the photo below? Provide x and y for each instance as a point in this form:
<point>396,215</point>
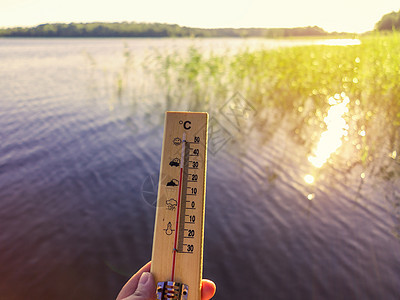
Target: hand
<point>141,286</point>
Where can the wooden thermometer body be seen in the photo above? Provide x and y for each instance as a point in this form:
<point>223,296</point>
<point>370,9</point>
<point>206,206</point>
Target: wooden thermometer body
<point>177,257</point>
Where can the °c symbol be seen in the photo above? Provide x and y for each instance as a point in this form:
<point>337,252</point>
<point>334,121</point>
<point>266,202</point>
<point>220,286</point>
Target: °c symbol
<point>186,125</point>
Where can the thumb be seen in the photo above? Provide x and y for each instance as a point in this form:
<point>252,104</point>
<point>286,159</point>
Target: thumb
<point>146,289</point>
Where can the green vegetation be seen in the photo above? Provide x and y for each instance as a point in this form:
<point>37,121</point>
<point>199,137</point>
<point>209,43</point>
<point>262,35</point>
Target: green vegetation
<point>389,21</point>
<point>294,84</point>
<point>133,29</point>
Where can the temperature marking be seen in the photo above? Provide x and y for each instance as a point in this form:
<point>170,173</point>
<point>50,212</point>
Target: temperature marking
<point>185,155</point>
<point>178,226</point>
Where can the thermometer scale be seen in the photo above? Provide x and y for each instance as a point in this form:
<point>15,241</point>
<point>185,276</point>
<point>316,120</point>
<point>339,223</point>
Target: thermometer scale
<point>177,257</point>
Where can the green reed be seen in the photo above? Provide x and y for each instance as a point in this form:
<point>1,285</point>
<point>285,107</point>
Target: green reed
<point>295,83</point>
<point>288,77</point>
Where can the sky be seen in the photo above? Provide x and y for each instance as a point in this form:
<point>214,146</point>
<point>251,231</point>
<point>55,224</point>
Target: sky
<point>331,15</point>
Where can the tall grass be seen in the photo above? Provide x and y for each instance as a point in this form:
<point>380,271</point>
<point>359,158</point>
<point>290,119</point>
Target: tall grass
<point>295,83</point>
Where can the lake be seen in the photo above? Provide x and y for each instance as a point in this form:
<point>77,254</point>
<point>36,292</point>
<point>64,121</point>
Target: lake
<point>81,126</point>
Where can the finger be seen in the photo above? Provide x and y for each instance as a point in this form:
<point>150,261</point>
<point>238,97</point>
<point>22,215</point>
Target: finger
<point>208,289</point>
<point>146,289</point>
<point>131,286</point>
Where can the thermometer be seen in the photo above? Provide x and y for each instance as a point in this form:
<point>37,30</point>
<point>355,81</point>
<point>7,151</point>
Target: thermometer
<point>177,256</point>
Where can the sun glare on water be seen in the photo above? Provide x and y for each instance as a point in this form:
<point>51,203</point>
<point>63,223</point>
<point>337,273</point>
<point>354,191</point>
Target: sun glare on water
<point>331,139</point>
<point>309,179</point>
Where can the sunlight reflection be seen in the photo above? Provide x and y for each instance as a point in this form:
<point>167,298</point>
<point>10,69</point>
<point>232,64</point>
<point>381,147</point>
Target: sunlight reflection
<point>331,139</point>
<point>309,178</point>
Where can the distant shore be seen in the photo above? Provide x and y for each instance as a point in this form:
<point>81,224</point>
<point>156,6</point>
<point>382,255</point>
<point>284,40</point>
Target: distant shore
<point>134,29</point>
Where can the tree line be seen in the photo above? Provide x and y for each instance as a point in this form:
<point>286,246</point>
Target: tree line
<point>390,21</point>
<point>134,29</point>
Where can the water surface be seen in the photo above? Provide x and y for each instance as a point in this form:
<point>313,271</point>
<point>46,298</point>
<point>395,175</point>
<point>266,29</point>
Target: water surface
<point>80,144</point>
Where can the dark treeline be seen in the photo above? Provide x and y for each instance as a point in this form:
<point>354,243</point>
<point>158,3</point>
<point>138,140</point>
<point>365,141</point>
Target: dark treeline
<point>133,29</point>
<point>390,21</point>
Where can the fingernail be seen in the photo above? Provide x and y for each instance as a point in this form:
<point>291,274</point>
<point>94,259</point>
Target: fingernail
<point>144,278</point>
